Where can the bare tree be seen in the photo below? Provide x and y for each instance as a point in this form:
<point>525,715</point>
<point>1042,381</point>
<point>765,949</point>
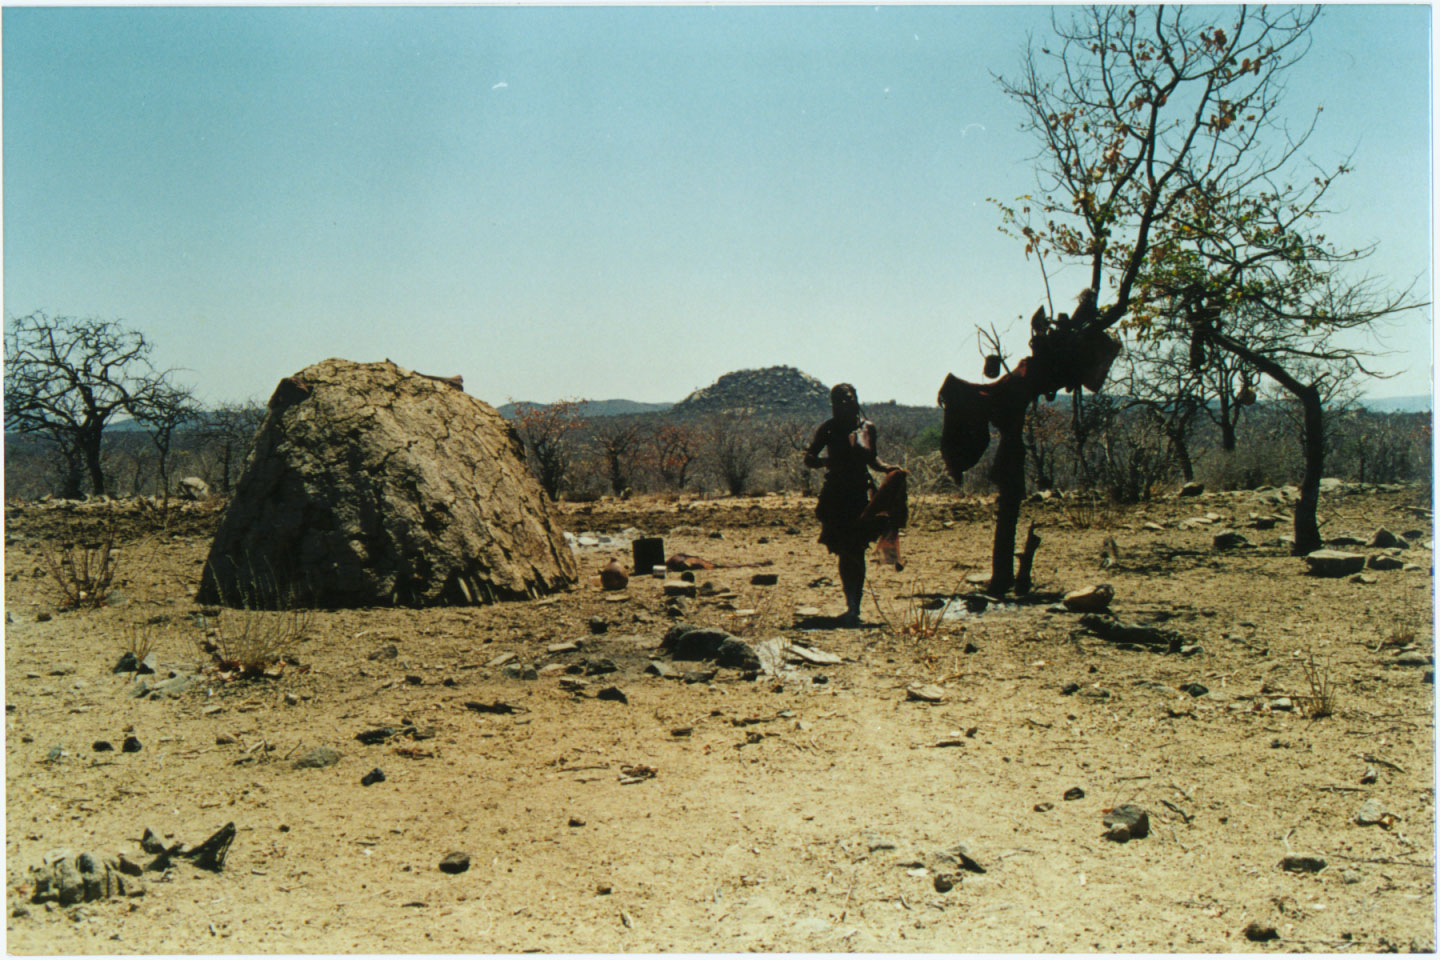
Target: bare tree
<point>166,410</point>
<point>673,449</point>
<point>229,429</point>
<point>732,450</point>
<point>617,439</point>
<point>546,430</point>
<point>67,378</point>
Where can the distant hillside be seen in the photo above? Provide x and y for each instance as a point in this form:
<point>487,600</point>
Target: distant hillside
<point>595,408</point>
<point>1416,403</point>
<point>767,391</point>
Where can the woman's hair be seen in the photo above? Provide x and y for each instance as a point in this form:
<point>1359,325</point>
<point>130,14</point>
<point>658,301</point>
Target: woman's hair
<point>843,390</point>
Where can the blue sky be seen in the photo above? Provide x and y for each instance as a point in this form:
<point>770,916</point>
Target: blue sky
<point>593,201</point>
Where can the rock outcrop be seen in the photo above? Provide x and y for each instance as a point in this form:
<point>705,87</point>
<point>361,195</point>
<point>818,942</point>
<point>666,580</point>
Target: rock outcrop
<point>752,392</point>
<point>370,484</point>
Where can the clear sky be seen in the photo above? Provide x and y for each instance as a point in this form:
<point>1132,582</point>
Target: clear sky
<point>593,202</point>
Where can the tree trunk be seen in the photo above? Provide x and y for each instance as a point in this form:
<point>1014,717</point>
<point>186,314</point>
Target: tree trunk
<point>1307,527</point>
<point>1008,472</point>
<point>89,443</point>
<point>1182,454</point>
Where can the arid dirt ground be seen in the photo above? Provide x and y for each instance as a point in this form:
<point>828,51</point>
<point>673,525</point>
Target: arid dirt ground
<point>807,813</point>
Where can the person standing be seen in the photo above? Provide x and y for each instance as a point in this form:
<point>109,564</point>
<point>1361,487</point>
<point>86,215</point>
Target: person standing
<point>852,510</point>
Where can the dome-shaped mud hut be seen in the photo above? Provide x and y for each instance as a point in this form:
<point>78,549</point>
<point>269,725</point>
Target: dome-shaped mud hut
<point>370,485</point>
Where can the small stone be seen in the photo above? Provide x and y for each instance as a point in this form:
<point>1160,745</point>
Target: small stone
<point>699,676</point>
<point>598,625</point>
<point>101,746</point>
<point>1074,793</point>
<point>1384,538</point>
<point>1195,689</point>
<point>1370,775</point>
<point>764,579</point>
<point>1133,820</point>
<point>128,867</point>
<point>318,758</point>
<point>576,822</point>
<point>603,889</point>
<point>520,671</point>
<point>600,666</point>
<point>1302,863</point>
<point>1364,578</point>
<point>131,745</point>
<point>1260,932</point>
<point>1334,563</point>
<point>569,646</point>
<point>944,883</point>
<point>1191,489</point>
<point>613,693</point>
<point>151,842</point>
<point>456,862</point>
<point>374,776</point>
<point>1371,812</point>
<point>659,668</point>
<point>1229,540</point>
<point>1089,599</point>
<point>1382,562</point>
<point>678,589</point>
<point>1350,877</point>
<point>1281,704</point>
<point>1069,689</point>
<point>926,693</point>
<point>44,616</point>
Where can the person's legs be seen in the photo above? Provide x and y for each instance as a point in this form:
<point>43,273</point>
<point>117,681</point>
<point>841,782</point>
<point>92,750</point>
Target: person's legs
<point>852,579</point>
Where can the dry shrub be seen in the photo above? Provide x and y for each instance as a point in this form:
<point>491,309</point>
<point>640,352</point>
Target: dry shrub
<point>1320,701</point>
<point>1089,513</point>
<point>138,640</point>
<point>251,642</point>
<point>83,569</point>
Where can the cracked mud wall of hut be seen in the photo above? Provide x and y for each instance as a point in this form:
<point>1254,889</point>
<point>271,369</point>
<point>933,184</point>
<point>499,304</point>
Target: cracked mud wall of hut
<point>370,485</point>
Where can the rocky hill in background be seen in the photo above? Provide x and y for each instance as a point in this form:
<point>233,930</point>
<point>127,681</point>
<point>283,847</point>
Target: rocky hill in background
<point>594,408</point>
<point>772,390</point>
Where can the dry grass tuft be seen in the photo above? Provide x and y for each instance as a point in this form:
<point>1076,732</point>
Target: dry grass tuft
<point>82,569</point>
<point>1320,701</point>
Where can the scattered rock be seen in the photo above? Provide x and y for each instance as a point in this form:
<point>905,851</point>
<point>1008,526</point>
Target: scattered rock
<point>1126,822</point>
<point>1074,793</point>
<point>318,758</point>
<point>374,776</point>
<point>1191,489</point>
<point>569,646</point>
<point>1370,775</point>
<point>1349,877</point>
<point>1114,631</point>
<point>520,671</point>
<point>1260,932</point>
<point>1383,539</point>
<point>944,882</point>
<point>686,642</point>
<point>1372,813</point>
<point>660,668</point>
<point>599,625</point>
<point>456,862</point>
<point>613,693</point>
<point>128,663</point>
<point>101,746</point>
<point>1044,806</point>
<point>1089,599</point>
<point>1195,689</point>
<point>926,693</point>
<point>499,706</point>
<point>672,588</point>
<point>698,676</point>
<point>1281,703</point>
<point>1069,689</point>
<point>379,735</point>
<point>576,822</point>
<point>1382,562</point>
<point>1230,540</point>
<point>600,666</point>
<point>1334,563</point>
<point>131,745</point>
<point>150,842</point>
<point>764,579</point>
<point>1302,863</point>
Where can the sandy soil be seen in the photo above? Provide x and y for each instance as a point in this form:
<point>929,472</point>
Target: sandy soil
<point>811,812</point>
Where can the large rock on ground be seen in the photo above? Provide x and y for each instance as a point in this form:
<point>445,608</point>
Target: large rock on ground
<point>1334,563</point>
<point>371,485</point>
